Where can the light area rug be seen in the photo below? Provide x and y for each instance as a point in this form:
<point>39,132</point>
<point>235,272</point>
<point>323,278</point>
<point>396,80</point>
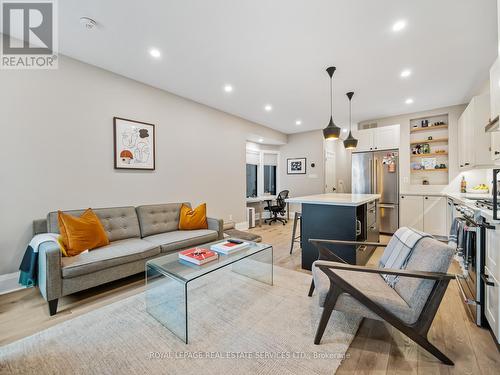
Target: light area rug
<point>237,326</point>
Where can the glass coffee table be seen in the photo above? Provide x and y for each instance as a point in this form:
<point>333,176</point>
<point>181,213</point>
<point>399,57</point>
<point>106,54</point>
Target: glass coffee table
<point>168,278</point>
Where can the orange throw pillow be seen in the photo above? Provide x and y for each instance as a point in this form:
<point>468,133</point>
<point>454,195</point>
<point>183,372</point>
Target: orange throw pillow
<point>190,219</point>
<point>81,233</point>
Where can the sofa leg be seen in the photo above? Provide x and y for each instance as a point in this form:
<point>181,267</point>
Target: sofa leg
<point>53,306</point>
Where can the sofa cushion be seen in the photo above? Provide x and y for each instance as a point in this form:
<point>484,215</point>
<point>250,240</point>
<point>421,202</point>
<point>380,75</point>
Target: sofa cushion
<point>159,218</point>
<point>119,222</point>
<point>114,254</point>
<point>370,284</point>
<point>180,239</point>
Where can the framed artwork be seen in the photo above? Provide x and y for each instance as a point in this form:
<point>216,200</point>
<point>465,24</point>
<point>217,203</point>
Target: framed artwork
<point>296,166</point>
<point>134,143</point>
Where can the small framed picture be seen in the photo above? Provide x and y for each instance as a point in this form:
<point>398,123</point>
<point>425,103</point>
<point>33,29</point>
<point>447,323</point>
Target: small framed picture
<point>296,166</point>
<point>134,143</point>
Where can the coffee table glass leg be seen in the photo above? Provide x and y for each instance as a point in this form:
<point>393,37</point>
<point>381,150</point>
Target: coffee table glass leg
<point>259,266</point>
<point>166,301</point>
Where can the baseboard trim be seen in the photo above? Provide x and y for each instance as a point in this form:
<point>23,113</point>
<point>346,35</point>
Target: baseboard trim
<point>9,283</point>
<point>242,226</point>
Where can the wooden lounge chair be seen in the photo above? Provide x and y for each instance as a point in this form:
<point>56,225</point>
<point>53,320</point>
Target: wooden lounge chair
<point>409,306</point>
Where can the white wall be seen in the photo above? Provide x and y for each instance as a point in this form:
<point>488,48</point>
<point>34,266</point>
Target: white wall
<point>57,149</point>
<point>307,145</point>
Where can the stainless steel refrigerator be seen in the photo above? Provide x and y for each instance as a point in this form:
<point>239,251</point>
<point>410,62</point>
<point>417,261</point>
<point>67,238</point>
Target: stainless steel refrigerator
<point>378,173</point>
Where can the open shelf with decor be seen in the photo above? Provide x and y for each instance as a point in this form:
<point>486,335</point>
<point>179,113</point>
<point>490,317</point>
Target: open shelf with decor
<point>429,150</point>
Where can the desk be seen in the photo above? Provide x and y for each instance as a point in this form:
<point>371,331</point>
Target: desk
<point>261,202</point>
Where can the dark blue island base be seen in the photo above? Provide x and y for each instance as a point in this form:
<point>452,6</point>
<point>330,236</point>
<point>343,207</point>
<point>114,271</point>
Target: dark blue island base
<point>336,222</point>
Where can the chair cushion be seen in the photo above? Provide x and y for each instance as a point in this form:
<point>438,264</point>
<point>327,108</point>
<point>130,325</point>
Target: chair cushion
<point>428,255</point>
<point>180,239</point>
<point>114,254</point>
<point>373,286</point>
<point>119,222</point>
<point>159,218</point>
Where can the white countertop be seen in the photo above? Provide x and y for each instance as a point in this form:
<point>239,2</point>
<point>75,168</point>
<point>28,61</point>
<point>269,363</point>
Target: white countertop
<point>336,199</point>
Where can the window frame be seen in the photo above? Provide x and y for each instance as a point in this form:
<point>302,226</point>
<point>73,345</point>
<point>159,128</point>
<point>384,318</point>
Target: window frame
<point>260,170</point>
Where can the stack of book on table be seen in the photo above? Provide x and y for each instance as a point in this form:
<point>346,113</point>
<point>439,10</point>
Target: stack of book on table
<point>198,255</point>
<point>230,246</point>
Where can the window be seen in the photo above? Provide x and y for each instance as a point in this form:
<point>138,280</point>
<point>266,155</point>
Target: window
<point>251,180</point>
<point>270,161</point>
<point>262,172</point>
<point>270,179</point>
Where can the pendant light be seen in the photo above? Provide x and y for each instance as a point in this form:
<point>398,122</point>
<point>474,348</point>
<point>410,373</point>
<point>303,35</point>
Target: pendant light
<point>332,131</point>
<point>350,142</point>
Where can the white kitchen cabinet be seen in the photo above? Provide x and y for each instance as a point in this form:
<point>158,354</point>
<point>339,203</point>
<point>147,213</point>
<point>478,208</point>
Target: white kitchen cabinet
<point>495,89</point>
<point>492,303</point>
<point>461,140</point>
<point>411,212</point>
<point>424,213</point>
<point>375,139</point>
<point>386,137</point>
<point>365,139</point>
<point>495,146</point>
<point>474,143</point>
<point>492,260</point>
<point>492,275</point>
<point>435,209</point>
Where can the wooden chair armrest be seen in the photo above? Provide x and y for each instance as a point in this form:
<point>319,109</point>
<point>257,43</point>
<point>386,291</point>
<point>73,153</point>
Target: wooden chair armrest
<point>315,241</point>
<point>386,271</point>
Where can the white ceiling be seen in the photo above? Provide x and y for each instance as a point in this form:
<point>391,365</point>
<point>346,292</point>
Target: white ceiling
<point>276,52</point>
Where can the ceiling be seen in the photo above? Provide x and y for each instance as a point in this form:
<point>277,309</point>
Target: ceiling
<point>275,52</point>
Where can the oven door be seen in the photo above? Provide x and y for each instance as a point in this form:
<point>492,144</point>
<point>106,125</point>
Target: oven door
<point>469,283</point>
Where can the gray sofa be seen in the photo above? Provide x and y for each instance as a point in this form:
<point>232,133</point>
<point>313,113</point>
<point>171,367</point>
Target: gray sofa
<point>136,234</point>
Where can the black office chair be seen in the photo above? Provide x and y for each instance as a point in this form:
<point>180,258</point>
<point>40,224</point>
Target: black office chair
<point>278,208</point>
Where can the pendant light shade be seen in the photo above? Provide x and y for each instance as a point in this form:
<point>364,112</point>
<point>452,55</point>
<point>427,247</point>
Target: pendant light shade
<point>332,131</point>
<point>350,143</point>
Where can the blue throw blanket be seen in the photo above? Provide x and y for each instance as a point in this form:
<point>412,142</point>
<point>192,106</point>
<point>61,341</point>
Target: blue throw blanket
<point>399,250</point>
<point>29,264</point>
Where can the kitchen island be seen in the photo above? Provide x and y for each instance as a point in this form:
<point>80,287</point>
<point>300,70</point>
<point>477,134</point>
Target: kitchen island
<point>347,217</point>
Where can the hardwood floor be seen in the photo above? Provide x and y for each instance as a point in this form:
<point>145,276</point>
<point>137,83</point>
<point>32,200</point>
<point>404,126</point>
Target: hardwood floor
<point>377,348</point>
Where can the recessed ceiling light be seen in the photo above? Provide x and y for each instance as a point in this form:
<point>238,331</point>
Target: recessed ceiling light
<point>155,52</point>
<point>261,140</point>
<point>298,122</point>
<point>228,88</point>
<point>405,73</point>
<point>268,107</point>
<point>399,25</point>
<point>409,101</point>
<point>344,130</point>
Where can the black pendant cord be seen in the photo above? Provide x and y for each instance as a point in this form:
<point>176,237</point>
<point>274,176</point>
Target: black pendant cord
<point>331,97</point>
<point>350,115</point>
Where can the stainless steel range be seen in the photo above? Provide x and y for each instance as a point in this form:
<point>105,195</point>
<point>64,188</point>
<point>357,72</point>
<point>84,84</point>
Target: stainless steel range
<point>471,243</point>
<point>486,204</point>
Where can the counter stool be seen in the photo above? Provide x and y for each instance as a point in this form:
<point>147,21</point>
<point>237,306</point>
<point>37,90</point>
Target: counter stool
<point>296,219</point>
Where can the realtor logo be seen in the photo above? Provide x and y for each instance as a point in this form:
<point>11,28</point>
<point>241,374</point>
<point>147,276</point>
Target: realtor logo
<point>29,34</point>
